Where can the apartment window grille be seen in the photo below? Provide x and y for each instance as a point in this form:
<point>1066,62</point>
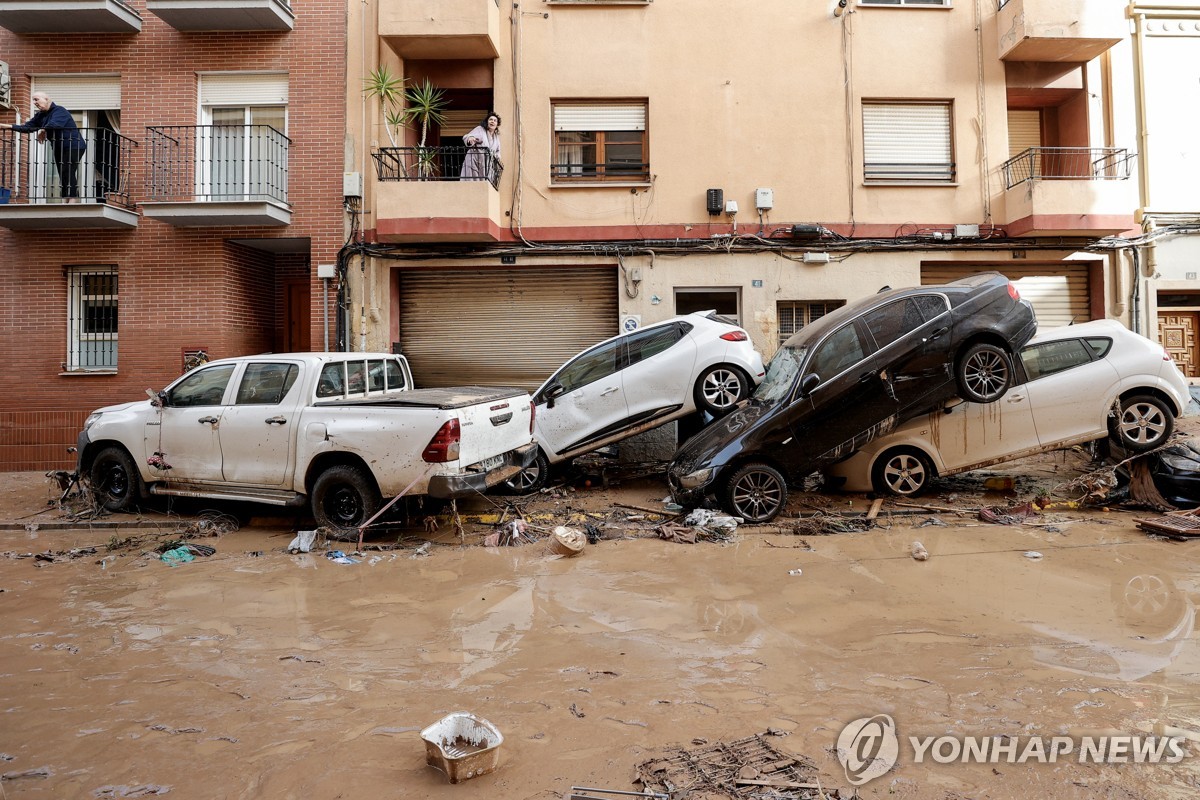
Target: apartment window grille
<point>92,318</point>
<point>597,142</point>
<point>795,314</point>
<point>907,141</point>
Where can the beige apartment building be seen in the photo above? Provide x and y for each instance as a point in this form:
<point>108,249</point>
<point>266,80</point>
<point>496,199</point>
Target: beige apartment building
<point>770,160</point>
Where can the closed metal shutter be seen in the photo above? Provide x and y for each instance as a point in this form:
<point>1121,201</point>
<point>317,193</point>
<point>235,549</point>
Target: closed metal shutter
<point>240,89</point>
<point>82,92</point>
<point>568,117</point>
<point>502,327</point>
<point>1059,292</point>
<point>907,141</point>
<point>1024,130</point>
<point>460,123</point>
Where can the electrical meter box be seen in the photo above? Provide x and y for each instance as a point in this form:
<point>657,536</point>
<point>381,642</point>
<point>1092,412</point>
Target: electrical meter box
<point>764,199</point>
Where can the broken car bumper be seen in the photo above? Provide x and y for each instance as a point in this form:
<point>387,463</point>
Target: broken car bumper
<point>463,484</point>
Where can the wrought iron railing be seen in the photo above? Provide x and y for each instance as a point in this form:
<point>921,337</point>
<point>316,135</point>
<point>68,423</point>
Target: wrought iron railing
<point>217,163</point>
<point>437,164</point>
<point>1068,163</point>
<point>54,171</point>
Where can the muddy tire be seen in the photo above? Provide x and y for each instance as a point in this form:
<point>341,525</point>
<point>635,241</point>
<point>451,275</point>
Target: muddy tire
<point>902,471</point>
<point>756,493</point>
<point>984,373</point>
<point>344,496</point>
<point>532,478</point>
<point>719,388</point>
<point>114,479</point>
<point>1144,423</point>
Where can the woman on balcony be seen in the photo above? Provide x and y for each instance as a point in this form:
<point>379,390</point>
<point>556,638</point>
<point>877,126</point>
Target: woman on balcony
<point>482,160</point>
<point>55,123</point>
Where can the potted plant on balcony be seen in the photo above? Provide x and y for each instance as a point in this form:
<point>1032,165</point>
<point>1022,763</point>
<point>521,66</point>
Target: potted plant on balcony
<point>409,106</point>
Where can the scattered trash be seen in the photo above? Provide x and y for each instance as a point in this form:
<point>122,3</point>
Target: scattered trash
<point>999,483</point>
<point>39,772</point>
<point>303,542</point>
<point>919,552</point>
<point>928,521</point>
<point>1033,555</point>
<point>510,534</point>
<point>568,541</point>
<point>712,523</point>
<point>576,711</point>
<point>338,557</point>
<point>1177,525</point>
<point>177,556</point>
<point>672,508</point>
<point>463,746</point>
<point>422,551</point>
<point>142,790</point>
<point>1012,515</point>
<point>593,533</point>
<point>592,793</point>
<point>796,571</point>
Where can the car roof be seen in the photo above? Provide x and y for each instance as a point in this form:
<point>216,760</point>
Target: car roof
<point>1098,327</point>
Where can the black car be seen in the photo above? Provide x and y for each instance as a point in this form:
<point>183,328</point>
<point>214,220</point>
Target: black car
<point>849,377</point>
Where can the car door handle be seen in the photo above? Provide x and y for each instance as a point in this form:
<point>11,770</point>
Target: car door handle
<point>207,420</point>
<point>936,334</point>
<point>1016,398</point>
<point>866,376</point>
<point>276,420</point>
<point>609,391</point>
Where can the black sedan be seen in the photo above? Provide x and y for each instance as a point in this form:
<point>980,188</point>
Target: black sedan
<point>849,377</point>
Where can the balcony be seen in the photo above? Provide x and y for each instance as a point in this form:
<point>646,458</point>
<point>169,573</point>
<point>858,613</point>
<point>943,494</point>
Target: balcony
<point>218,175</point>
<point>1069,191</point>
<point>1058,30</point>
<point>420,195</point>
<point>69,16</point>
<point>224,15</point>
<point>441,29</point>
<point>35,184</point>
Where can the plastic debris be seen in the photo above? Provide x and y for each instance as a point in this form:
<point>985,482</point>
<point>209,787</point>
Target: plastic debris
<point>177,556</point>
<point>303,542</point>
<point>1033,555</point>
<point>919,552</point>
<point>338,557</point>
<point>712,521</point>
<point>568,542</point>
<point>796,571</point>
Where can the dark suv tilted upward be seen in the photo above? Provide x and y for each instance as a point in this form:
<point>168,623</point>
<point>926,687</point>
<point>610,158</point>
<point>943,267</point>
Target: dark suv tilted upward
<point>849,377</point>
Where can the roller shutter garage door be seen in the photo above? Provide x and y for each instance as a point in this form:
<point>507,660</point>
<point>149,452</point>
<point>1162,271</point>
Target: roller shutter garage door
<point>1059,292</point>
<point>502,327</point>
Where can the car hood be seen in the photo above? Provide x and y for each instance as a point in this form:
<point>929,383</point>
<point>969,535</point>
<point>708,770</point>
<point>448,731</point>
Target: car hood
<point>122,406</point>
<point>716,444</point>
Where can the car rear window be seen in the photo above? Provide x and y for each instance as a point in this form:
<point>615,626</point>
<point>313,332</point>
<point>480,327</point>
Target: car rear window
<point>1100,346</point>
<point>1045,359</point>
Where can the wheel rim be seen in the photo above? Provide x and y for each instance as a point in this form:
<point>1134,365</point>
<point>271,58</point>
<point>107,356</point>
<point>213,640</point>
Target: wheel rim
<point>904,474</point>
<point>722,388</point>
<point>1143,423</point>
<point>986,373</point>
<point>344,507</point>
<point>1147,594</point>
<point>526,478</point>
<point>757,495</point>
<point>114,481</point>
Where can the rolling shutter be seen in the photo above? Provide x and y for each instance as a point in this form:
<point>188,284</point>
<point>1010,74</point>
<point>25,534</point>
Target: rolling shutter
<point>502,327</point>
<point>460,123</point>
<point>82,92</point>
<point>242,89</point>
<point>600,117</point>
<point>907,141</point>
<point>1024,131</point>
<point>1059,292</point>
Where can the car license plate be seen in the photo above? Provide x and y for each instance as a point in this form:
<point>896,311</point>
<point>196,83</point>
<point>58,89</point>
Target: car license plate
<point>490,464</point>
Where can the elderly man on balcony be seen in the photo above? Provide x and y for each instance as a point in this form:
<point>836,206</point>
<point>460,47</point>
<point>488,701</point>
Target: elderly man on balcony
<point>54,123</point>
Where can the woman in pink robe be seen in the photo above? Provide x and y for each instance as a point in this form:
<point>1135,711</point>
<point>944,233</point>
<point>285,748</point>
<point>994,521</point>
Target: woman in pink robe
<point>483,139</point>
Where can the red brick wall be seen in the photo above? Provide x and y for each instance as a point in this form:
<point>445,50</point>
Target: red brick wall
<point>178,287</point>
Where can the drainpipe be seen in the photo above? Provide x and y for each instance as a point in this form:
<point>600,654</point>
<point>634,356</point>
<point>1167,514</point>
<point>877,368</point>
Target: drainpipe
<point>1135,297</point>
<point>1139,98</point>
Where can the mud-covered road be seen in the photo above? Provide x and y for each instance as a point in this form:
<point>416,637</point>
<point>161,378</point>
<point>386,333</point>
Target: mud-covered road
<point>258,674</point>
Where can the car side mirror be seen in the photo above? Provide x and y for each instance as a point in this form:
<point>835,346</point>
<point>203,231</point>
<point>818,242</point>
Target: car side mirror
<point>158,399</point>
<point>557,390</point>
<point>810,381</point>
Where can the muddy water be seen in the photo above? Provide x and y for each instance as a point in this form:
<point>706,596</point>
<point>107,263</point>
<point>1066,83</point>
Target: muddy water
<point>283,676</point>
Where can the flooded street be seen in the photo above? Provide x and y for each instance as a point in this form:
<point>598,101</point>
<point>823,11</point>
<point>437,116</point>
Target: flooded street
<point>291,676</point>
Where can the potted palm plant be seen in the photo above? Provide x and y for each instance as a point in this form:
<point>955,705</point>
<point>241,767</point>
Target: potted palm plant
<point>405,106</point>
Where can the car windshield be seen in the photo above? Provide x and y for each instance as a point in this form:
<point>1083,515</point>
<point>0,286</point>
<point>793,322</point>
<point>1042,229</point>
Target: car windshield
<point>781,374</point>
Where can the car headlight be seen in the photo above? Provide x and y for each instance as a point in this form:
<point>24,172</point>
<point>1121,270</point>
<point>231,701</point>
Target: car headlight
<point>695,479</point>
<point>92,419</point>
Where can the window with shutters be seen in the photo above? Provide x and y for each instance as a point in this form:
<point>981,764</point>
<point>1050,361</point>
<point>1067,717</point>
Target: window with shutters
<point>795,314</point>
<point>92,319</point>
<point>242,141</point>
<point>598,142</point>
<point>907,141</point>
<point>944,3</point>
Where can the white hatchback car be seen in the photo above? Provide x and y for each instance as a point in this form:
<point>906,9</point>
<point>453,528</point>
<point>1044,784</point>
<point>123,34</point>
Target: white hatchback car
<point>638,381</point>
<point>1079,383</point>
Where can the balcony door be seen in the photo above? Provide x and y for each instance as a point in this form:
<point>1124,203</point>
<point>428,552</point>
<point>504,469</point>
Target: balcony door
<point>94,104</point>
<point>241,150</point>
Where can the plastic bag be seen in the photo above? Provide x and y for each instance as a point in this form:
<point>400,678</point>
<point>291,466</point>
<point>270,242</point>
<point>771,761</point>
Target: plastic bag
<point>177,556</point>
<point>303,542</point>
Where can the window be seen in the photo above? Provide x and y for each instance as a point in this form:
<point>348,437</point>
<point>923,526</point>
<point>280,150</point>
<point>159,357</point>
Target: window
<point>889,323</point>
<point>98,172</point>
<point>242,142</point>
<point>1100,345</point>
<point>907,141</point>
<point>266,384</point>
<point>1051,357</point>
<point>596,142</point>
<point>904,2</point>
<point>726,302</point>
<point>591,366</point>
<point>795,314</point>
<point>649,343</point>
<point>838,353</point>
<point>92,318</point>
<point>202,387</point>
<point>358,378</point>
<point>931,305</point>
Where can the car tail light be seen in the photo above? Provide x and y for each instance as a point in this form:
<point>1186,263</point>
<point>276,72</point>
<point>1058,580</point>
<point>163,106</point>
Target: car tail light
<point>1012,291</point>
<point>1167,357</point>
<point>444,444</point>
<point>735,336</point>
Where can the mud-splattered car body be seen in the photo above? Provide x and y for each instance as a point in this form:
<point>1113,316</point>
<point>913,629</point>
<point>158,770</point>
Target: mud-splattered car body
<point>850,377</point>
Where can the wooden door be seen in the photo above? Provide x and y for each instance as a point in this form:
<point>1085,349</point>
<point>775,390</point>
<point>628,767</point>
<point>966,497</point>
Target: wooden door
<point>297,313</point>
<point>1177,330</point>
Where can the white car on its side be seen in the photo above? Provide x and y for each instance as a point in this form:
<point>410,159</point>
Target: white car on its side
<point>638,381</point>
<point>1078,384</point>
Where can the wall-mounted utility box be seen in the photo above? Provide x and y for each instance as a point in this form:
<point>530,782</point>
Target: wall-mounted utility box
<point>764,199</point>
<point>966,231</point>
<point>716,201</point>
<point>352,184</point>
<point>326,270</point>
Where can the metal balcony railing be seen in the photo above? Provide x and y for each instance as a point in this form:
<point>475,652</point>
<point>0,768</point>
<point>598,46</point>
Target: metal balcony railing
<point>49,172</point>
<point>437,164</point>
<point>1068,163</point>
<point>217,163</point>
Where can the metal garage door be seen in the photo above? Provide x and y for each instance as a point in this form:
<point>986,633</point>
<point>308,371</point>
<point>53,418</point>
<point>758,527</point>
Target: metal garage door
<point>502,327</point>
<point>1058,292</point>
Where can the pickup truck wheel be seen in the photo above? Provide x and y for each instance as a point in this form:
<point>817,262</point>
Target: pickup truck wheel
<point>756,493</point>
<point>720,388</point>
<point>1145,423</point>
<point>114,479</point>
<point>984,373</point>
<point>532,478</point>
<point>344,497</point>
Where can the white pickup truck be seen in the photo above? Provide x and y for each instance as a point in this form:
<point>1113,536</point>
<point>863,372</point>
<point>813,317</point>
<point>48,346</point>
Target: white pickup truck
<point>341,431</point>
